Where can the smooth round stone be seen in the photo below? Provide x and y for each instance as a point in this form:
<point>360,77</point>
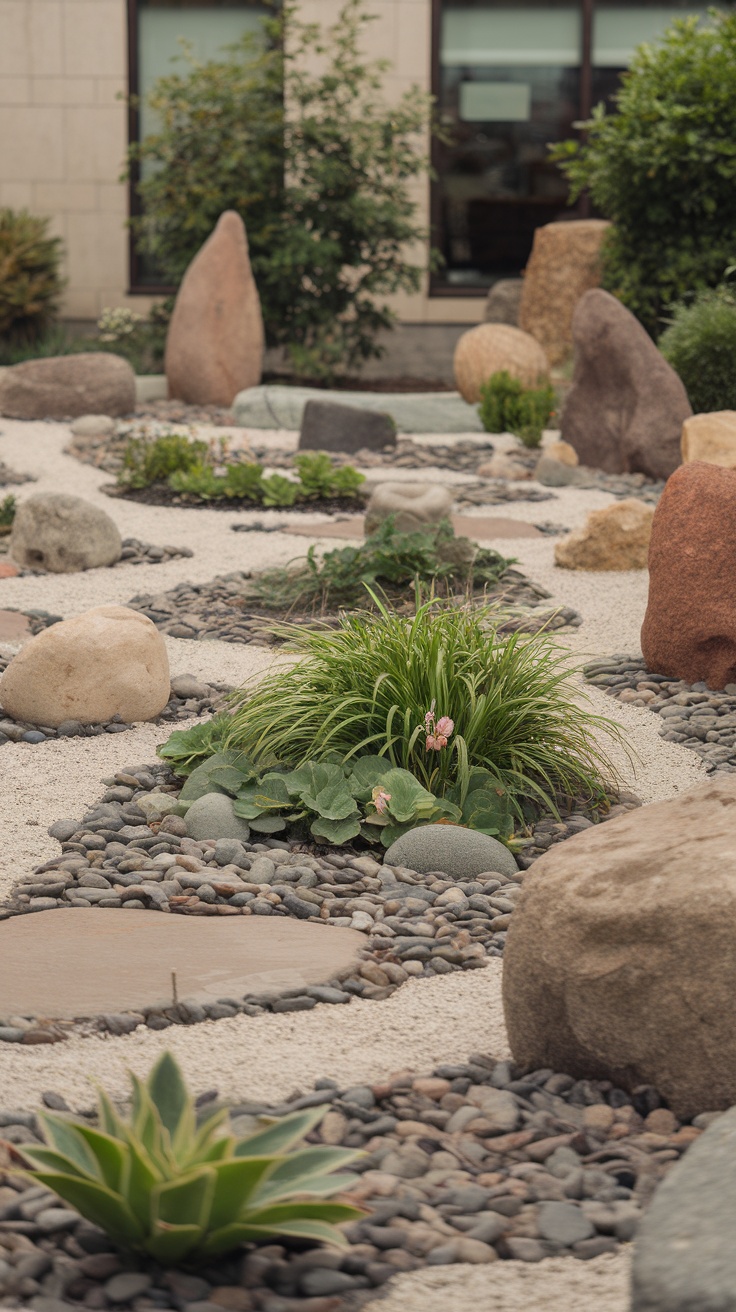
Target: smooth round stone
<point>33,736</point>
<point>461,853</point>
<point>71,966</point>
<point>212,816</point>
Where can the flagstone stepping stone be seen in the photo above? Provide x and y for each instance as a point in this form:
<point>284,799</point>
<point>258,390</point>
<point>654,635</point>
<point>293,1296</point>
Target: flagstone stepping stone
<point>280,406</point>
<point>14,626</point>
<point>64,965</point>
<point>479,527</point>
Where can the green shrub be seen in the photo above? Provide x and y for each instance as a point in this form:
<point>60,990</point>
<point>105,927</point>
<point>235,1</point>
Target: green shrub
<point>387,559</point>
<point>146,462</point>
<point>290,129</point>
<point>162,1185</point>
<point>374,686</point>
<point>30,281</point>
<point>700,344</point>
<point>8,507</point>
<point>662,166</point>
<point>506,406</point>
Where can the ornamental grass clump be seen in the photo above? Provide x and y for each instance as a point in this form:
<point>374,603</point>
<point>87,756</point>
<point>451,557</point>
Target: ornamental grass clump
<point>163,1185</point>
<point>441,695</point>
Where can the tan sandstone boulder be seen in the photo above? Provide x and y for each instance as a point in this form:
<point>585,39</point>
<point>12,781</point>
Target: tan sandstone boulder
<point>710,437</point>
<point>619,962</point>
<point>65,386</point>
<point>562,451</point>
<point>215,342</point>
<point>616,537</point>
<point>63,534</point>
<point>491,348</point>
<point>689,629</point>
<point>564,264</point>
<point>108,661</point>
<point>503,465</point>
<point>626,407</point>
<point>413,505</point>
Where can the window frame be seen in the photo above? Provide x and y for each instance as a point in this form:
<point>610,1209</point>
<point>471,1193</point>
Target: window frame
<point>136,287</point>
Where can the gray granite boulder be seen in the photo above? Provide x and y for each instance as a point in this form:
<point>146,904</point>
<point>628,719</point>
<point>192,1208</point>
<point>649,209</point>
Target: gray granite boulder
<point>63,534</point>
<point>212,816</point>
<point>685,1256</point>
<point>331,426</point>
<point>461,853</point>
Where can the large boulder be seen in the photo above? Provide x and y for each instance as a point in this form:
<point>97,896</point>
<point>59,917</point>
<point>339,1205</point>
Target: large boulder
<point>616,537</point>
<point>109,661</point>
<point>626,407</point>
<point>689,629</point>
<point>685,1257</point>
<point>458,852</point>
<point>215,342</point>
<point>619,962</point>
<point>503,300</point>
<point>62,534</point>
<point>491,348</point>
<point>564,264</point>
<point>65,386</point>
<point>414,506</point>
<point>710,437</point>
<point>330,426</point>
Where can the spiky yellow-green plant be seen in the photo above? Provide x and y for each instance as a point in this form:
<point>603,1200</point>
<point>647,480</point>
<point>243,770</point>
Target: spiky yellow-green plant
<point>30,282</point>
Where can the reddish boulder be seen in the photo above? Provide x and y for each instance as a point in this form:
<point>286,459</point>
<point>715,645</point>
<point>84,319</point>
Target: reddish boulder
<point>626,407</point>
<point>215,343</point>
<point>689,629</point>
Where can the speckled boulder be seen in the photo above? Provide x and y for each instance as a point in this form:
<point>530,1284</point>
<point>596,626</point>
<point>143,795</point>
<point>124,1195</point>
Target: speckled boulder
<point>564,264</point>
<point>460,853</point>
<point>63,534</point>
<point>613,538</point>
<point>212,816</point>
<point>491,348</point>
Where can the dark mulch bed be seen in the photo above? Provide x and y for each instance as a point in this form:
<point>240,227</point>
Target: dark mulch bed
<point>160,494</point>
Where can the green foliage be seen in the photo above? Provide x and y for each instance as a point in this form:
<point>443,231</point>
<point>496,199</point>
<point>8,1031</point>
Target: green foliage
<point>8,507</point>
<point>162,1185</point>
<point>662,166</point>
<point>289,128</point>
<point>185,749</point>
<point>365,689</point>
<point>507,406</point>
<point>386,559</point>
<point>140,340</point>
<point>700,344</point>
<point>190,468</point>
<point>30,281</point>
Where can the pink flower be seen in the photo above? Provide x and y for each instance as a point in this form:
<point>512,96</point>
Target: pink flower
<point>381,799</point>
<point>445,727</point>
<point>431,742</point>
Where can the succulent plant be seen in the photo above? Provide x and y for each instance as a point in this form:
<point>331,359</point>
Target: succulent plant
<point>163,1185</point>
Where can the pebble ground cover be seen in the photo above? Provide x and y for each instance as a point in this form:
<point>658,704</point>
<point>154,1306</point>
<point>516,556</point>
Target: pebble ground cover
<point>468,1161</point>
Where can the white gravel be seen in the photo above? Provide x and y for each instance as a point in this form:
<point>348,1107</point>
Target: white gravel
<point>271,1056</point>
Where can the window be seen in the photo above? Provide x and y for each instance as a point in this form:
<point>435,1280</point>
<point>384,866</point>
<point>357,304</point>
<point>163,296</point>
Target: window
<point>155,31</point>
<point>513,78</point>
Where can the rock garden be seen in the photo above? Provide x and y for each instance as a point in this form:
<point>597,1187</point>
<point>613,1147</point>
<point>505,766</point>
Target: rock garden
<point>411,766</point>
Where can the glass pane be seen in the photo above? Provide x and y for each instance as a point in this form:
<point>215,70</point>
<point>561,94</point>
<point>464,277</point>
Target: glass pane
<point>619,29</point>
<point>509,85</point>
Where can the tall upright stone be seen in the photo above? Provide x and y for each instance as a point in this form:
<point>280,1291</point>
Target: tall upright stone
<point>215,343</point>
<point>564,264</point>
<point>626,407</point>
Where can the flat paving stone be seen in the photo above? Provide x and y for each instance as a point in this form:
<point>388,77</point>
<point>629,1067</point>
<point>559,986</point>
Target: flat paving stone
<point>280,406</point>
<point>14,626</point>
<point>62,964</point>
<point>483,527</point>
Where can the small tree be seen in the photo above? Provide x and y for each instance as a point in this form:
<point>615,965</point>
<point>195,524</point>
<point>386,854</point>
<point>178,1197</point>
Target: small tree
<point>290,130</point>
<point>663,167</point>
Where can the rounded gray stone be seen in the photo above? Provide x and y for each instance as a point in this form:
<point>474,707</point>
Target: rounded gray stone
<point>461,853</point>
<point>563,1223</point>
<point>62,534</point>
<point>212,816</point>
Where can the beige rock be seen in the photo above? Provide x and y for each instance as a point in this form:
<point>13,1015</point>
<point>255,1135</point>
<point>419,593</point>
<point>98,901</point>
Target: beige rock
<point>562,451</point>
<point>616,537</point>
<point>63,534</point>
<point>413,505</point>
<point>564,264</point>
<point>215,343</point>
<point>710,437</point>
<point>503,466</point>
<point>108,661</point>
<point>491,348</point>
<point>64,386</point>
<point>614,970</point>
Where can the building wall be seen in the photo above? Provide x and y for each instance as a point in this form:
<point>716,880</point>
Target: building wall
<point>63,134</point>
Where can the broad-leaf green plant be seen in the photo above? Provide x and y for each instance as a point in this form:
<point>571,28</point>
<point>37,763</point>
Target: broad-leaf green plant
<point>160,1184</point>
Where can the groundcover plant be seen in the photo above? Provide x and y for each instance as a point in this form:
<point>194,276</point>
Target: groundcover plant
<point>166,1185</point>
